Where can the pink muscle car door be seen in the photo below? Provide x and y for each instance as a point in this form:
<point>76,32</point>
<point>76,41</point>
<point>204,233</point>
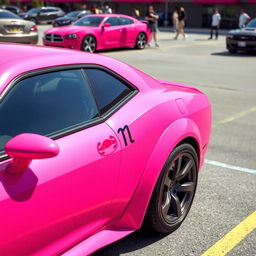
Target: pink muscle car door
<point>61,200</point>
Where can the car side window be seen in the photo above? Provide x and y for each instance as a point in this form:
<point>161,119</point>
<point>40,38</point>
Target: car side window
<point>125,21</point>
<point>46,104</point>
<point>113,21</point>
<point>108,90</point>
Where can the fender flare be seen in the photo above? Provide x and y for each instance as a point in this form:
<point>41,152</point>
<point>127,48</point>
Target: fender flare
<point>136,209</point>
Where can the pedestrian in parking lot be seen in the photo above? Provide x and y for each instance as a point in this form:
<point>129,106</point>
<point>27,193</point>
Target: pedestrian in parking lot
<point>152,18</point>
<point>243,19</point>
<point>107,9</point>
<point>175,19</point>
<point>216,18</point>
<point>136,13</point>
<point>181,23</point>
<point>95,9</point>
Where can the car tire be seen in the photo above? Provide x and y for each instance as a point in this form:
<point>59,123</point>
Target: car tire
<point>34,20</point>
<point>232,51</point>
<point>174,191</point>
<point>89,44</point>
<point>141,41</point>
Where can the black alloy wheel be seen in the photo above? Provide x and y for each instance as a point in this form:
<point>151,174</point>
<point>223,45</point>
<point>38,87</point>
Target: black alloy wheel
<point>141,41</point>
<point>89,44</point>
<point>174,192</point>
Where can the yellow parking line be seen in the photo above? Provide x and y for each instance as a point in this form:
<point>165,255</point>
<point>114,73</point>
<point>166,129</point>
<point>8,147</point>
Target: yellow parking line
<point>235,116</point>
<point>231,239</point>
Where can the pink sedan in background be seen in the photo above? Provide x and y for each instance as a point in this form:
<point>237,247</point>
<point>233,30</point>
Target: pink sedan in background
<point>90,148</point>
<point>97,32</point>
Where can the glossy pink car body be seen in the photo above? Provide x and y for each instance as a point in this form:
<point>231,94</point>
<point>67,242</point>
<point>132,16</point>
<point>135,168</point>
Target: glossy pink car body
<point>95,188</point>
<point>106,37</point>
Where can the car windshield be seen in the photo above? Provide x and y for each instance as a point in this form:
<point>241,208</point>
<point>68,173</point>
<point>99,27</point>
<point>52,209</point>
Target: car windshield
<point>8,15</point>
<point>252,24</point>
<point>89,21</point>
<point>33,10</point>
<point>72,14</point>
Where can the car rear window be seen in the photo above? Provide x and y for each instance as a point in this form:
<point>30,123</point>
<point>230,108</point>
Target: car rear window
<point>8,15</point>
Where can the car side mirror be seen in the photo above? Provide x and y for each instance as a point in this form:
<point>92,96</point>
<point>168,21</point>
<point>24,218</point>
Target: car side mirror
<point>106,25</point>
<point>25,147</point>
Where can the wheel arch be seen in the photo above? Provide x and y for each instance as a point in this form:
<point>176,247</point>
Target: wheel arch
<point>140,32</point>
<point>186,131</point>
<point>90,34</point>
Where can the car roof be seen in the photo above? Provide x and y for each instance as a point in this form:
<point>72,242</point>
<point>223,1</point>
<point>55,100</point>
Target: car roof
<point>17,59</point>
<point>111,15</point>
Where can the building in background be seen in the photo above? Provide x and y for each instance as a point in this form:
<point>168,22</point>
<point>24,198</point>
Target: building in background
<point>199,12</point>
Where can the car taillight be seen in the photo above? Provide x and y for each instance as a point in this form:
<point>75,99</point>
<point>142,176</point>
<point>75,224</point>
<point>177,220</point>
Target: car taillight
<point>33,28</point>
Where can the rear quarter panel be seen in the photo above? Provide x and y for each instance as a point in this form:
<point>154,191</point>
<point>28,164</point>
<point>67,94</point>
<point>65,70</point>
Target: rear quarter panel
<point>159,129</point>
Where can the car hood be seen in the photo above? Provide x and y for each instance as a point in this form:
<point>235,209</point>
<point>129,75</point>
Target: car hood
<point>243,31</point>
<point>68,30</point>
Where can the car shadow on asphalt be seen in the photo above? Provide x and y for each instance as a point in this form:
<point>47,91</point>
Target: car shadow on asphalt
<point>239,54</point>
<point>117,50</point>
<point>133,242</point>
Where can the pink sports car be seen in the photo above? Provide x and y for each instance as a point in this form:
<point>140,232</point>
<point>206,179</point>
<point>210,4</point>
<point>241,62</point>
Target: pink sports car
<point>97,32</point>
<point>91,148</point>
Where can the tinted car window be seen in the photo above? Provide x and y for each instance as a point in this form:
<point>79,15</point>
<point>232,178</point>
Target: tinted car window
<point>125,21</point>
<point>46,104</point>
<point>252,24</point>
<point>89,21</point>
<point>108,90</point>
<point>8,15</point>
<point>72,14</point>
<point>33,10</point>
<point>47,10</point>
<point>113,21</point>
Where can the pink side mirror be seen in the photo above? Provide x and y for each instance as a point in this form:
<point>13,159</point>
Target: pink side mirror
<point>25,147</point>
<point>106,25</point>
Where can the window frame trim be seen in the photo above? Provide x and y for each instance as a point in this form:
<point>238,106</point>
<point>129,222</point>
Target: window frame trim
<point>98,120</point>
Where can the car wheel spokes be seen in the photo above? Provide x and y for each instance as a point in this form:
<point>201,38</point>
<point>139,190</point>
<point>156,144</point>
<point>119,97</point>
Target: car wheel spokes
<point>178,187</point>
<point>89,44</point>
<point>176,205</point>
<point>185,169</point>
<point>141,41</point>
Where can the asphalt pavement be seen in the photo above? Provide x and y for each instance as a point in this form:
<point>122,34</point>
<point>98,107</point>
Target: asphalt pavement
<point>226,193</point>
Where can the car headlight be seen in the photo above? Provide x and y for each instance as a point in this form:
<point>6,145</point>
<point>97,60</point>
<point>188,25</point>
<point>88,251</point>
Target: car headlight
<point>71,36</point>
<point>230,36</point>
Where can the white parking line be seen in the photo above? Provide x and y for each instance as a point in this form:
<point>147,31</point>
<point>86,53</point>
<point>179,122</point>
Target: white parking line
<point>229,166</point>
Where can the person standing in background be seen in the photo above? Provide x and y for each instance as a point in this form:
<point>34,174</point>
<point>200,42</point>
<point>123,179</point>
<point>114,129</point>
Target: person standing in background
<point>136,13</point>
<point>216,18</point>
<point>107,9</point>
<point>175,19</point>
<point>152,18</point>
<point>243,19</point>
<point>181,23</point>
<point>95,9</point>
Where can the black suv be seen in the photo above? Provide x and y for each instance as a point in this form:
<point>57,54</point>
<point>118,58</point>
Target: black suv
<point>70,17</point>
<point>44,14</point>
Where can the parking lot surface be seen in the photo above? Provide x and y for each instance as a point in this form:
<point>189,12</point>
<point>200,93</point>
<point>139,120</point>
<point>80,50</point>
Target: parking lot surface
<point>223,216</point>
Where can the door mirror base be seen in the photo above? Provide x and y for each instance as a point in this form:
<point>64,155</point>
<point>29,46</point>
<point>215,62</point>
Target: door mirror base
<point>25,147</point>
